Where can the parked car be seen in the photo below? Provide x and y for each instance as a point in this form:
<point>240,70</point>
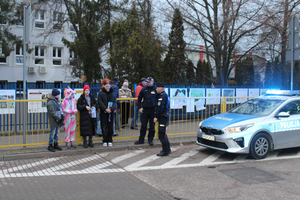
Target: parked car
<point>256,127</point>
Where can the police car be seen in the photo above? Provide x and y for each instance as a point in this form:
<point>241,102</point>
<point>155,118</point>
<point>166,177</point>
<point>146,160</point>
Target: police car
<point>256,127</point>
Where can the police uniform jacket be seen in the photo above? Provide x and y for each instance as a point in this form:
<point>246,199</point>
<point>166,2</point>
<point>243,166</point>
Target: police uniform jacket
<point>147,97</point>
<point>162,105</point>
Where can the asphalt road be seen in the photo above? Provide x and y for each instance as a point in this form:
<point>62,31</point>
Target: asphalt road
<point>190,172</point>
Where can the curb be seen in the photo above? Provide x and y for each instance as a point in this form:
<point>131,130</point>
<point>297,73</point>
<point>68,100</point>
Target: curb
<point>94,150</point>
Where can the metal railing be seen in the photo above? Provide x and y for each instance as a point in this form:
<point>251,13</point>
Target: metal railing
<point>184,119</point>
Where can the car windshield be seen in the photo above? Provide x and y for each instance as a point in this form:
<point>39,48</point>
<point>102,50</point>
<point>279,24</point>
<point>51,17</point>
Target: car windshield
<point>258,106</point>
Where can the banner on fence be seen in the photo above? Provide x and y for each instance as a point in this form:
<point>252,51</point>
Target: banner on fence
<point>37,106</point>
<point>241,94</point>
<point>199,103</point>
<point>213,96</point>
<point>178,103</point>
<point>253,92</point>
<point>7,107</point>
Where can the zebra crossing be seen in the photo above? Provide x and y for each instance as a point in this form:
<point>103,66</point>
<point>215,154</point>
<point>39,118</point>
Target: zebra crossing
<point>129,161</point>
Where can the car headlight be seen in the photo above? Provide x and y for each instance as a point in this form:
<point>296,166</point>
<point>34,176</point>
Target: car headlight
<point>237,129</point>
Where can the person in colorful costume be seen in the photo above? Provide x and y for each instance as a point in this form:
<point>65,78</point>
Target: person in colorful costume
<point>70,109</point>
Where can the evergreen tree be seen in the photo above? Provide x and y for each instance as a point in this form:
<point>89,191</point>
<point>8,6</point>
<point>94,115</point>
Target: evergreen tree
<point>244,72</point>
<point>268,76</point>
<point>8,17</point>
<point>206,73</point>
<point>190,73</point>
<point>277,73</point>
<point>136,52</point>
<point>175,61</point>
<point>296,76</point>
<point>90,21</point>
<point>203,73</point>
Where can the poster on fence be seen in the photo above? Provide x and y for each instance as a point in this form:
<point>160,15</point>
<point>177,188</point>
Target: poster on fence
<point>263,91</point>
<point>253,92</point>
<point>228,93</point>
<point>199,103</point>
<point>241,94</point>
<point>79,92</point>
<point>178,92</point>
<point>38,94</point>
<point>7,107</point>
<point>213,96</point>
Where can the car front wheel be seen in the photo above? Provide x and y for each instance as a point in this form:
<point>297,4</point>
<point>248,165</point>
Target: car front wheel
<point>260,146</point>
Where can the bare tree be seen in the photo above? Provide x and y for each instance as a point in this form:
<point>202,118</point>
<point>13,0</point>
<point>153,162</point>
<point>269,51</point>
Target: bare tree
<point>224,25</point>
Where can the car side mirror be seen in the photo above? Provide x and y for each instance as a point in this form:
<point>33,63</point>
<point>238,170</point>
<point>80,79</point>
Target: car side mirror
<point>282,114</point>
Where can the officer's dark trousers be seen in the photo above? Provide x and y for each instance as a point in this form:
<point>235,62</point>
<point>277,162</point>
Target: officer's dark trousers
<point>163,123</point>
<point>147,115</point>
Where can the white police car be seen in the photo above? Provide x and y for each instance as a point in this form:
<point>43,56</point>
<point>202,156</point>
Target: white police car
<point>260,125</point>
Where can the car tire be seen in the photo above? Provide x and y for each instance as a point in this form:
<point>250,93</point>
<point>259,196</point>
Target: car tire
<point>260,146</point>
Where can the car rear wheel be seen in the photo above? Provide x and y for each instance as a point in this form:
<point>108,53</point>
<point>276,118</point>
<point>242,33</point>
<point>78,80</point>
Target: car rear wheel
<point>260,146</point>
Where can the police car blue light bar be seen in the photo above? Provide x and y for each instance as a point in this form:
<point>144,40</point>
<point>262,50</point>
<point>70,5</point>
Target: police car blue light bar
<point>283,92</point>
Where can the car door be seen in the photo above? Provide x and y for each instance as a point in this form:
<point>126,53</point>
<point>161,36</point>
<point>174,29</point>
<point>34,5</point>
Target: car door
<point>287,129</point>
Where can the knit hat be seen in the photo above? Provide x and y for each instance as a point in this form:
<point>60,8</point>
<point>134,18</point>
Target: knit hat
<point>115,80</point>
<point>86,87</point>
<point>143,79</point>
<point>125,84</point>
<point>55,92</point>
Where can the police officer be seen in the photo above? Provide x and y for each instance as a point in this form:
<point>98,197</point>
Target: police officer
<point>146,106</point>
<point>162,116</point>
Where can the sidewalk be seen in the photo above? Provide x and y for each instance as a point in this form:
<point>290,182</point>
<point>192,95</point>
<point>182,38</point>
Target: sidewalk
<point>119,145</point>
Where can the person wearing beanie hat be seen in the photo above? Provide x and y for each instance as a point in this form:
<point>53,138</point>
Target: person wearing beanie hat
<point>125,92</point>
<point>55,92</point>
<point>56,119</point>
<point>85,104</point>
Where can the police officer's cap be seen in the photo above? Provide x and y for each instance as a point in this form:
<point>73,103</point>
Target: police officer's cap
<point>160,85</point>
<point>149,79</point>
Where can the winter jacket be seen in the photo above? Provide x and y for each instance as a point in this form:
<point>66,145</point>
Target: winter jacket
<point>86,122</point>
<point>104,97</point>
<point>53,107</point>
<point>137,91</point>
<point>147,97</point>
<point>125,93</point>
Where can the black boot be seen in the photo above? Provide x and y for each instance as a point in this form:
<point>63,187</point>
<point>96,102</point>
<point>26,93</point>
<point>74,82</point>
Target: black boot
<point>85,145</point>
<point>73,145</point>
<point>57,147</point>
<point>51,148</point>
<point>91,143</point>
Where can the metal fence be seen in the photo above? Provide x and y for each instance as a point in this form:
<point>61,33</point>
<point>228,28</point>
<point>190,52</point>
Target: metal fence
<point>184,119</point>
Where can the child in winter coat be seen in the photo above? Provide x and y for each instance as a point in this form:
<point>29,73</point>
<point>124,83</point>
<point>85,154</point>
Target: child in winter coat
<point>56,118</point>
<point>70,110</point>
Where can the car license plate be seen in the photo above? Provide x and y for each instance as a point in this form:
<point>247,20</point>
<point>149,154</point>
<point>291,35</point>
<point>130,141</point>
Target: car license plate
<point>208,137</point>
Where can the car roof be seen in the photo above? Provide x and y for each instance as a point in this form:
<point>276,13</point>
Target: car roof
<point>279,97</point>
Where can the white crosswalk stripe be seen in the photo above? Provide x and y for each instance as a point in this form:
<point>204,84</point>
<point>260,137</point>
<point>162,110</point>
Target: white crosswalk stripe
<point>136,160</point>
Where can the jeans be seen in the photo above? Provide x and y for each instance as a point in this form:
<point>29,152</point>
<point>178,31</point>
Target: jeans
<point>116,121</point>
<point>135,117</point>
<point>53,136</point>
<point>99,130</point>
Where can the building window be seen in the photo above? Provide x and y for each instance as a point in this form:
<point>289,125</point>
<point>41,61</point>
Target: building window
<point>40,19</point>
<point>57,20</point>
<point>39,53</point>
<point>57,56</point>
<point>19,54</point>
